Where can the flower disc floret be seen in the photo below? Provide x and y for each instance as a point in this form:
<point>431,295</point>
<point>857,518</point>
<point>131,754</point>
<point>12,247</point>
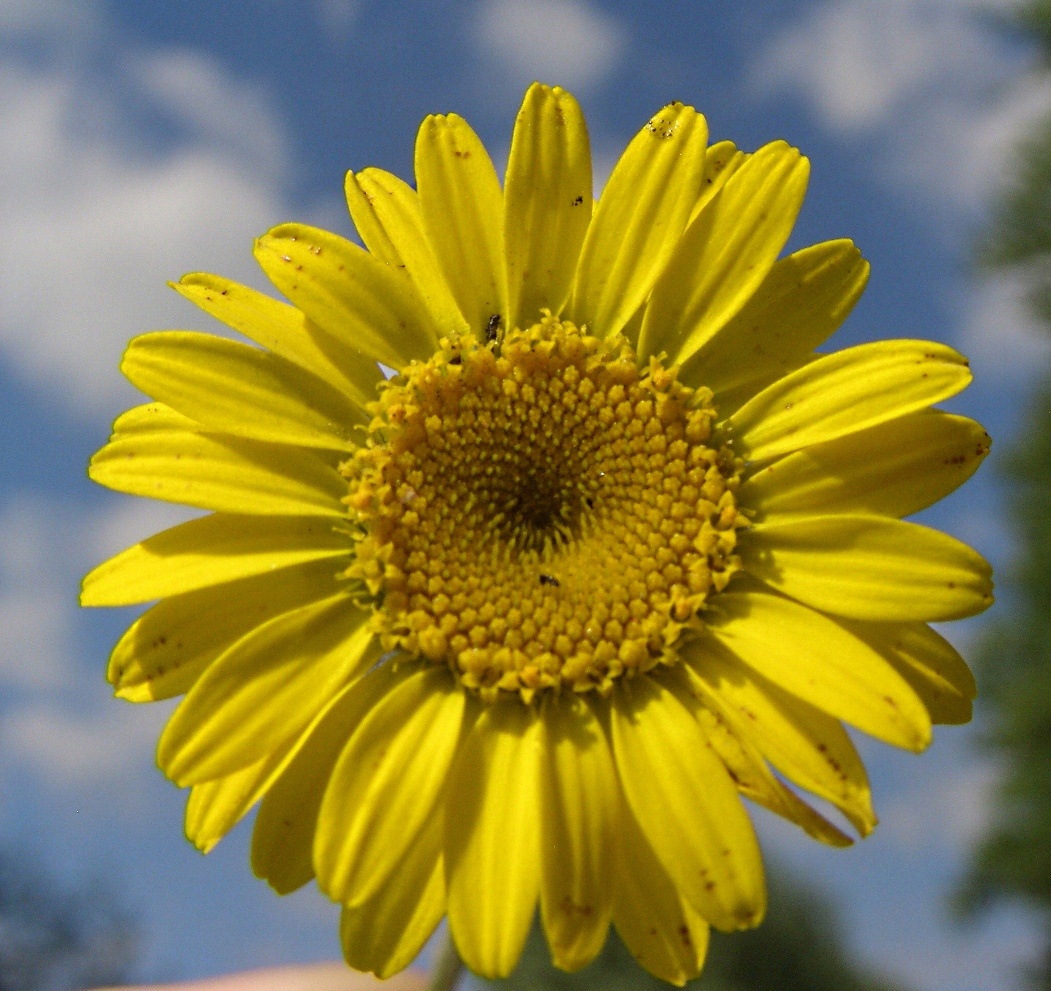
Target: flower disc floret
<point>542,513</point>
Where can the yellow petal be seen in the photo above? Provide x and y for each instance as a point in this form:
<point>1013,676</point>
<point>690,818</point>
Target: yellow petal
<point>728,736</point>
<point>639,219</point>
<point>285,331</point>
<point>819,661</point>
<point>222,473</point>
<point>579,808</point>
<point>165,650</point>
<point>731,400</point>
<point>664,933</point>
<point>869,567</point>
<point>547,202</point>
<point>210,551</point>
<point>285,827</point>
<point>386,934</point>
<point>362,190</point>
<point>463,214</point>
<point>769,792</point>
<point>240,390</point>
<point>797,307</point>
<point>266,689</point>
<point>928,662</point>
<point>896,468</point>
<point>807,746</point>
<point>844,392</point>
<point>387,785</point>
<point>725,253</point>
<point>150,418</point>
<point>492,838</point>
<point>686,804</point>
<point>721,160</point>
<point>386,211</point>
<point>215,807</point>
<point>350,295</point>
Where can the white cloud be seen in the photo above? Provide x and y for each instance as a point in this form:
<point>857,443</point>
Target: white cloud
<point>127,521</point>
<point>861,61</point>
<point>939,102</point>
<point>36,639</point>
<point>67,17</point>
<point>560,42</point>
<point>958,151</point>
<point>925,80</point>
<point>951,809</point>
<point>96,219</point>
<point>226,116</point>
<point>45,550</point>
<point>94,224</point>
<point>998,333</point>
<point>78,749</point>
<point>991,958</point>
<point>337,17</point>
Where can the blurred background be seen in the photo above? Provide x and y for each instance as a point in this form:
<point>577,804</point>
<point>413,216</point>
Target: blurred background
<point>141,139</point>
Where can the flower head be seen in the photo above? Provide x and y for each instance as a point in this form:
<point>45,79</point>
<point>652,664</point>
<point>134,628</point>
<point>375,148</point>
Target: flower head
<point>612,546</point>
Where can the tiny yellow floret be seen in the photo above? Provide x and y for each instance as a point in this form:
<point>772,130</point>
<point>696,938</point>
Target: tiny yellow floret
<point>486,489</point>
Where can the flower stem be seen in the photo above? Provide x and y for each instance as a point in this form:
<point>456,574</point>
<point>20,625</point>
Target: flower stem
<point>447,967</point>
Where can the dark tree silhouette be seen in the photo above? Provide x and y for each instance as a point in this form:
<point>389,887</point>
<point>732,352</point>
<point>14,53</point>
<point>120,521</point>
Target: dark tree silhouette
<point>56,940</point>
<point>797,948</point>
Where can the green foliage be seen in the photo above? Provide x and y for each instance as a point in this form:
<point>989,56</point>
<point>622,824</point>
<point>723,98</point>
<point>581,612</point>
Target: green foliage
<point>797,948</point>
<point>1014,859</point>
<point>1021,234</point>
<point>1034,18</point>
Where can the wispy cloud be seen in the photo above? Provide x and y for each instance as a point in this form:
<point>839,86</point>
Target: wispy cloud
<point>929,82</point>
<point>222,115</point>
<point>337,17</point>
<point>861,63</point>
<point>54,729</point>
<point>71,19</point>
<point>73,749</point>
<point>939,101</point>
<point>36,639</point>
<point>95,222</point>
<point>951,811</point>
<point>997,330</point>
<point>564,42</point>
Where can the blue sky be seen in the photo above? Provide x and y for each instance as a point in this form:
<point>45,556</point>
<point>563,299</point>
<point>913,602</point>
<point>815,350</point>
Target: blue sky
<point>139,141</point>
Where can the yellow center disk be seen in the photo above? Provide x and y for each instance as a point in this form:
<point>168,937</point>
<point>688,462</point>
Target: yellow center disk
<point>540,513</point>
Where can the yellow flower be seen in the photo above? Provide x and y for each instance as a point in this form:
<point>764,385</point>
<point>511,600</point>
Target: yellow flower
<point>612,546</point>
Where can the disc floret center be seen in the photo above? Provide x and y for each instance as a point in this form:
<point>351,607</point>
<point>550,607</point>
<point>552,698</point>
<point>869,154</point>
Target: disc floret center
<point>541,513</point>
